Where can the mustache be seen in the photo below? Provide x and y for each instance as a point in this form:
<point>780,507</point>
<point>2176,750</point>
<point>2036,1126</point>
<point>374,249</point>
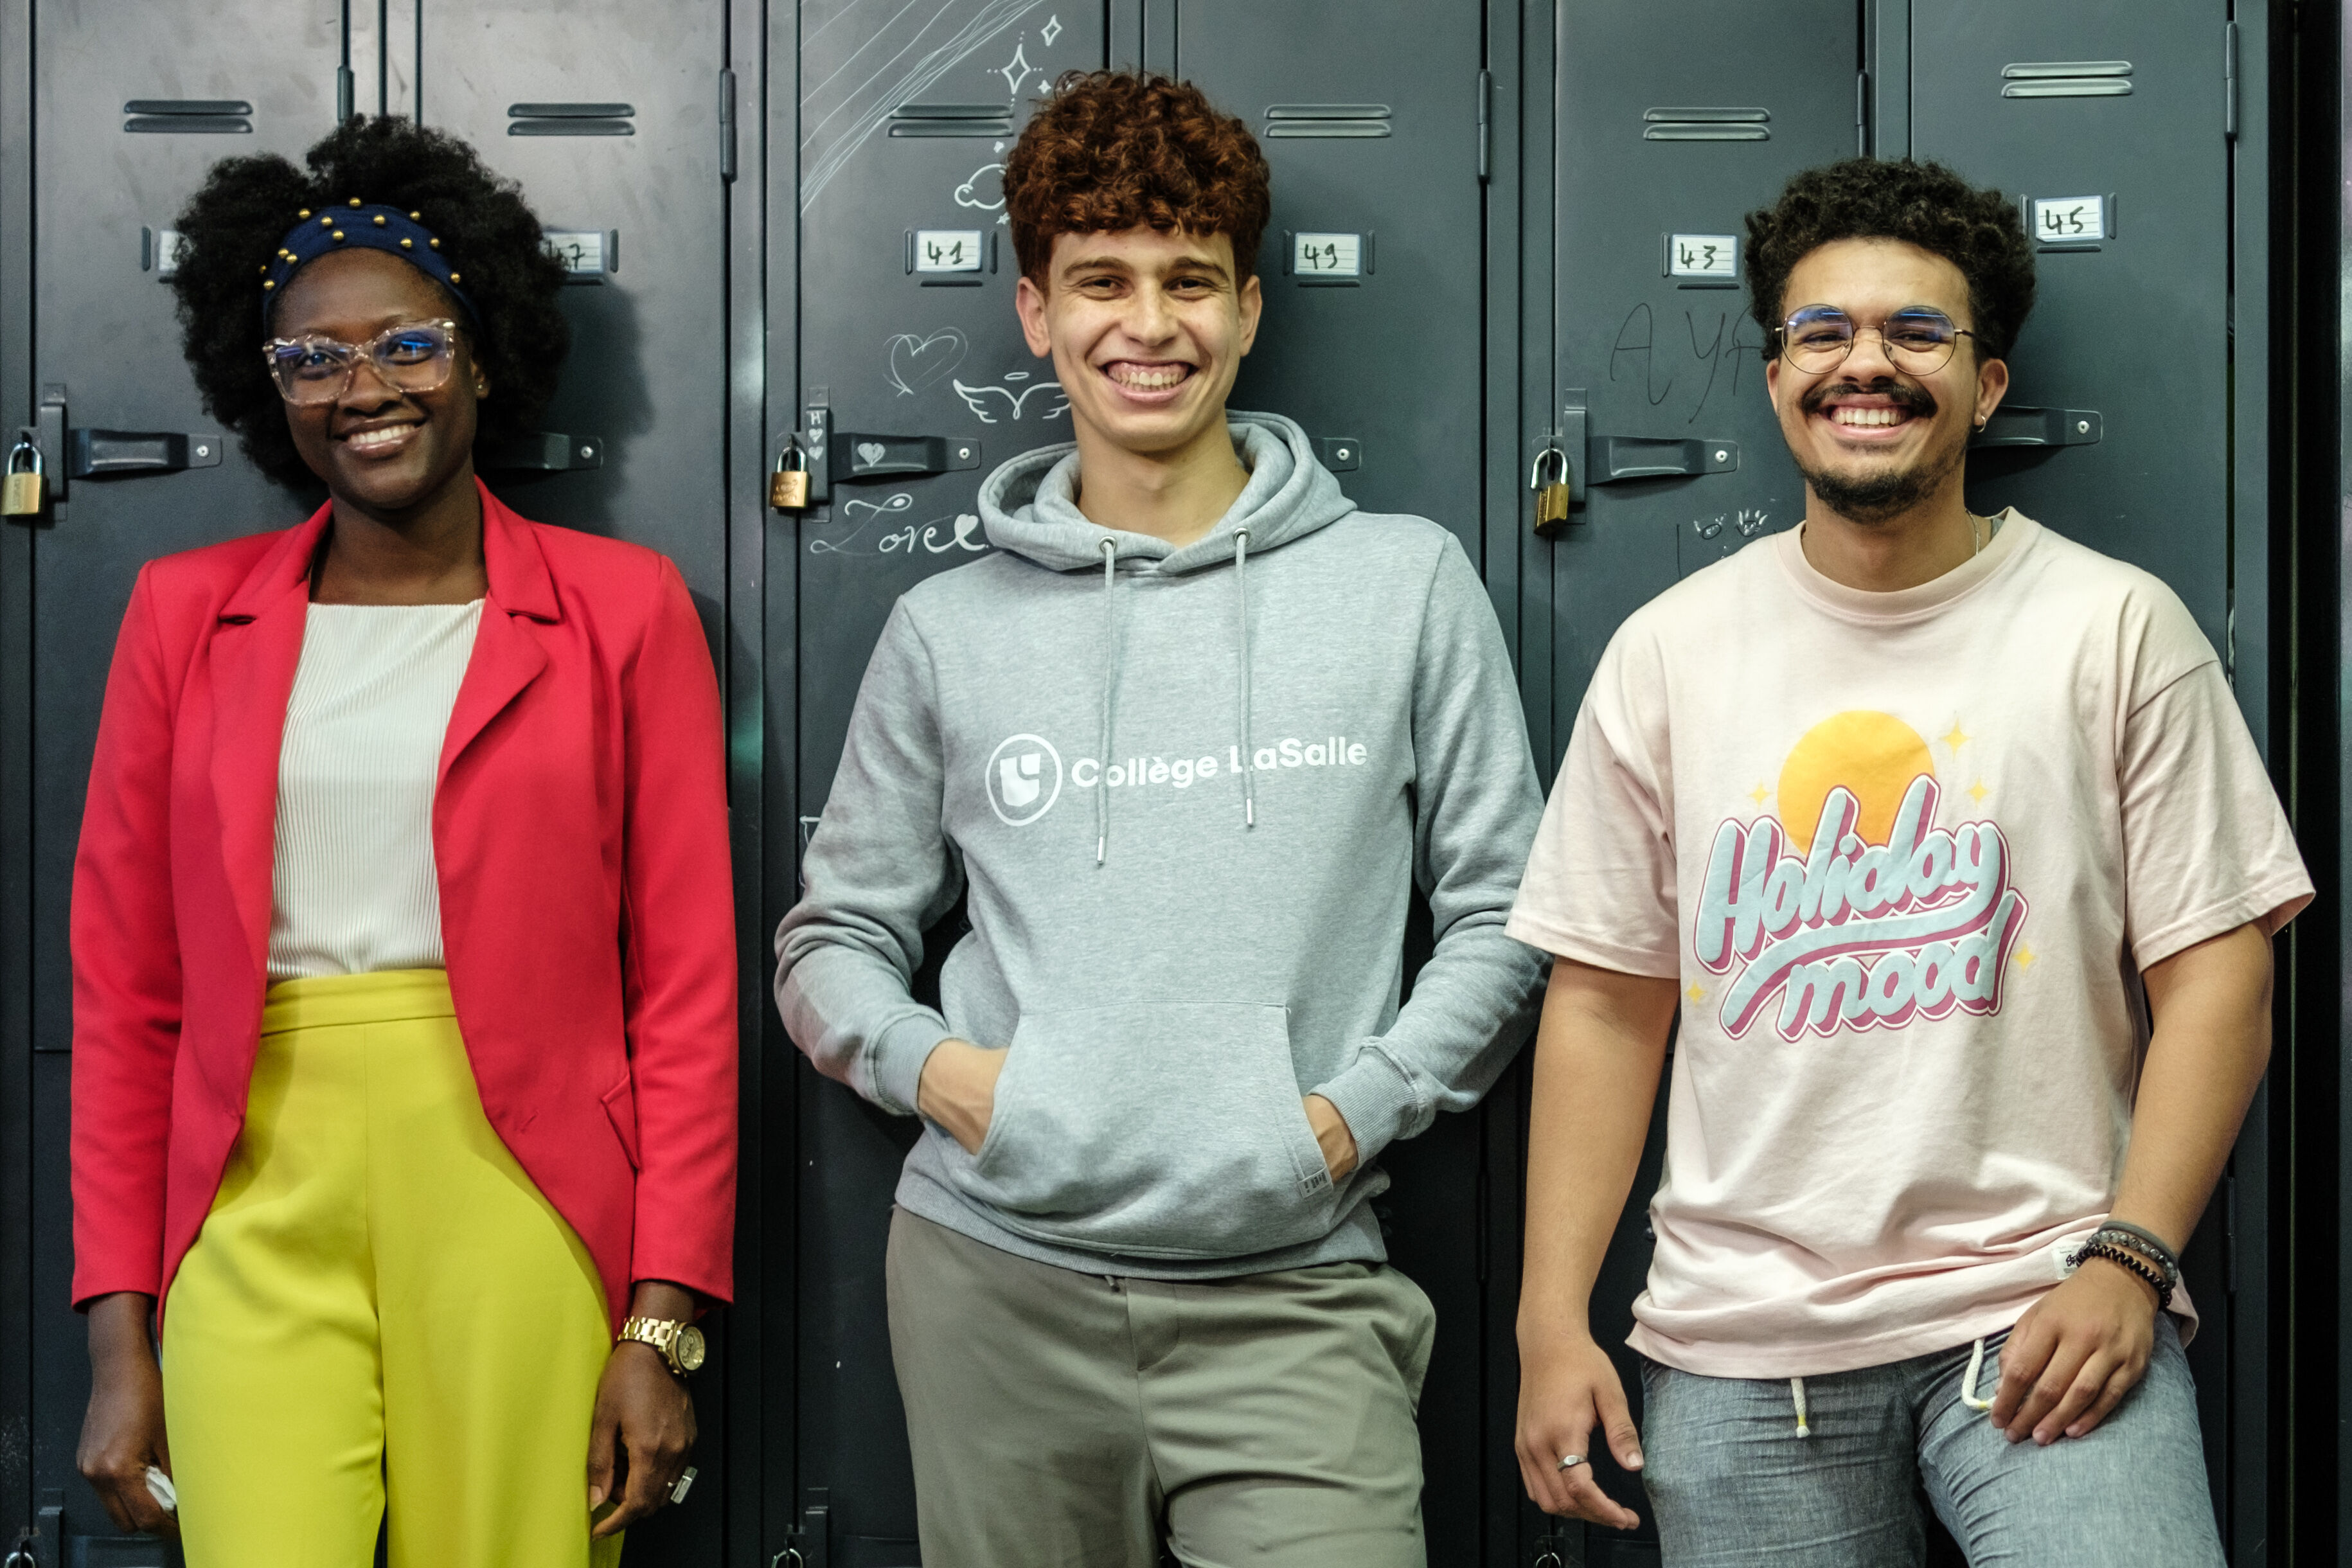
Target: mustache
<point>1915,400</point>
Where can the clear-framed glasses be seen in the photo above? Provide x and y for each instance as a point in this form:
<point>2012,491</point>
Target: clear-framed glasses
<point>314,369</point>
<point>1918,338</point>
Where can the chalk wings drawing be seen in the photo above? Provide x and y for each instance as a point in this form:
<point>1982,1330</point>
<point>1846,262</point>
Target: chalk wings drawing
<point>989,402</point>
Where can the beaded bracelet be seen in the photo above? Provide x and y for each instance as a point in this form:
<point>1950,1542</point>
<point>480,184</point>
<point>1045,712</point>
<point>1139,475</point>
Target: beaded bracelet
<point>2133,1262</point>
<point>2148,1243</point>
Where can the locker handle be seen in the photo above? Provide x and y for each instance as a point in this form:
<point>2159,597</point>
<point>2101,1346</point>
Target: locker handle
<point>541,451</point>
<point>103,454</point>
<point>852,456</point>
<point>2023,425</point>
<point>1612,458</point>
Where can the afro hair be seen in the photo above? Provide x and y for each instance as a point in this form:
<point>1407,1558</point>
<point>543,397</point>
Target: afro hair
<point>1979,232</point>
<point>1119,149</point>
<point>231,228</point>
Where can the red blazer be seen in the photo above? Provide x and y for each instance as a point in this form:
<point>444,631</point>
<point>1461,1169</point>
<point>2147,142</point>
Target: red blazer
<point>587,914</point>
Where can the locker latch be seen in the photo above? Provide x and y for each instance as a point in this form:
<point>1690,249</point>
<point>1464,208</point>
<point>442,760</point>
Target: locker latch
<point>852,456</point>
<point>1613,459</point>
<point>2024,426</point>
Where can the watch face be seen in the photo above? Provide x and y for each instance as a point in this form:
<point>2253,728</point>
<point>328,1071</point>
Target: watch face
<point>689,1347</point>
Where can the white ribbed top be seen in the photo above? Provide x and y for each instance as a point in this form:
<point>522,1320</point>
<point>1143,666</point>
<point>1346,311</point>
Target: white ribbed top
<point>353,889</point>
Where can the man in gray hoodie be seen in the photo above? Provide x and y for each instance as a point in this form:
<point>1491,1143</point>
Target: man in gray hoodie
<point>1186,744</point>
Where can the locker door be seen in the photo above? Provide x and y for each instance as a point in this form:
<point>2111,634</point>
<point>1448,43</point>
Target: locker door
<point>2107,117</point>
<point>1661,152</point>
<point>1370,117</point>
<point>905,328</point>
<point>131,104</point>
<point>2126,106</point>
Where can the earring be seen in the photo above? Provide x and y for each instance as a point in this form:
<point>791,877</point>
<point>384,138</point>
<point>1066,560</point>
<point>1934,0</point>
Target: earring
<point>1981,424</point>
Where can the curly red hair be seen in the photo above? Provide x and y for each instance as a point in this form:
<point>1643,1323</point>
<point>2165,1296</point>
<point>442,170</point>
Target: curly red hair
<point>1119,150</point>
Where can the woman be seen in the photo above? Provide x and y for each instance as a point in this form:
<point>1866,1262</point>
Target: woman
<point>402,941</point>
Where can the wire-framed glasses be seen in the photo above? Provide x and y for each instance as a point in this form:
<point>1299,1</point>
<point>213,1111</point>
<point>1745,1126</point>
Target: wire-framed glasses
<point>1918,338</point>
<point>314,369</point>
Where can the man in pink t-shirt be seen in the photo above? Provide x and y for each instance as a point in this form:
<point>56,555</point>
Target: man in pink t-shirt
<point>1943,839</point>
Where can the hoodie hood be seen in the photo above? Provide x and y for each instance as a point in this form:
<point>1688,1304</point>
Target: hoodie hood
<point>1029,506</point>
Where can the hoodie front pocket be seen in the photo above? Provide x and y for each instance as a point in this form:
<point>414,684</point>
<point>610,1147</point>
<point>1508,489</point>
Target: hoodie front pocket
<point>1157,1129</point>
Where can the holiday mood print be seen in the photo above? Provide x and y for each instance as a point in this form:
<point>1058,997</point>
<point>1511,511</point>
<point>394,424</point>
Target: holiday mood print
<point>1848,906</point>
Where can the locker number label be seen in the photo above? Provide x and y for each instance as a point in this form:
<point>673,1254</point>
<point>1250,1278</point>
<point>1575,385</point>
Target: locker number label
<point>1327,254</point>
<point>947,250</point>
<point>2065,220</point>
<point>1702,256</point>
<point>582,251</point>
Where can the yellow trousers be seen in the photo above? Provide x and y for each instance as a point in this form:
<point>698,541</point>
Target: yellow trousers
<point>383,1319</point>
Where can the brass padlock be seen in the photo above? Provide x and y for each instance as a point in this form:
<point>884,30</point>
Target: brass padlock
<point>21,494</point>
<point>1551,497</point>
<point>788,486</point>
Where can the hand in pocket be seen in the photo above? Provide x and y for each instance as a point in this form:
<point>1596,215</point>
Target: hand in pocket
<point>958,1091</point>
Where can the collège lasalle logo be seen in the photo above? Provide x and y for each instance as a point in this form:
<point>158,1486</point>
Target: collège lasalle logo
<point>1024,779</point>
<point>1024,774</point>
<point>1851,909</point>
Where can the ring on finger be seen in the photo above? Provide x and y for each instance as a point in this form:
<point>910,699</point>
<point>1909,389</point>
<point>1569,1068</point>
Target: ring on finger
<point>685,1483</point>
<point>1569,1461</point>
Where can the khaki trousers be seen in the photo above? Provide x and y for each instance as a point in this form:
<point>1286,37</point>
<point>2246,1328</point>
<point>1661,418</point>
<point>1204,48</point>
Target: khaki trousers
<point>1067,1420</point>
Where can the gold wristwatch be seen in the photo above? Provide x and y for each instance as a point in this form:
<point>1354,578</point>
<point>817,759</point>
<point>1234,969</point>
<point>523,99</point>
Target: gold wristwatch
<point>679,1343</point>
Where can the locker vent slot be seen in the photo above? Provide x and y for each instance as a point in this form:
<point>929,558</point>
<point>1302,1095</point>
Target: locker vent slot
<point>951,120</point>
<point>1706,125</point>
<point>571,118</point>
<point>1354,121</point>
<point>198,116</point>
<point>2066,78</point>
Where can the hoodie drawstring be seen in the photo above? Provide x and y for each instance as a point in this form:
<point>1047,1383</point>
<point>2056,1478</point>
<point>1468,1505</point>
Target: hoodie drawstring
<point>1249,760</point>
<point>1797,1392</point>
<point>1110,678</point>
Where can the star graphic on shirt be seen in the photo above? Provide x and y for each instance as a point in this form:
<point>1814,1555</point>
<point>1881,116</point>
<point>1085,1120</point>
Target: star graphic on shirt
<point>1977,792</point>
<point>1758,794</point>
<point>1959,737</point>
<point>1696,993</point>
<point>2025,957</point>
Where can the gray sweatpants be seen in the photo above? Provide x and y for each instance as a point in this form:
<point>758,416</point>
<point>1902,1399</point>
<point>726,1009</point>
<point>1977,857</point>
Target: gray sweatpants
<point>1066,1420</point>
<point>1734,1486</point>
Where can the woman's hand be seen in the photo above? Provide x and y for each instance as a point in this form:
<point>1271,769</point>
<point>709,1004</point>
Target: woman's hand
<point>2075,1353</point>
<point>643,1428</point>
<point>958,1091</point>
<point>122,1432</point>
<point>1568,1385</point>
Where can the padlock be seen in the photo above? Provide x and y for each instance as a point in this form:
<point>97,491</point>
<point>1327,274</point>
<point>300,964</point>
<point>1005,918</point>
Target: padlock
<point>1552,496</point>
<point>788,486</point>
<point>21,494</point>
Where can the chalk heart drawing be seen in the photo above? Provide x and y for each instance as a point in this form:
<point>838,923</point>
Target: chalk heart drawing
<point>871,452</point>
<point>917,362</point>
<point>972,194</point>
<point>990,401</point>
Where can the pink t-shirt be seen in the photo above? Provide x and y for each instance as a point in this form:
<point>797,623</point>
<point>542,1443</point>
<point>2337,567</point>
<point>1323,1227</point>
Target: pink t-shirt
<point>1907,854</point>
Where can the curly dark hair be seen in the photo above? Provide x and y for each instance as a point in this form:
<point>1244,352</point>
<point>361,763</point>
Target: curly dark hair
<point>232,227</point>
<point>1979,232</point>
<point>1117,150</point>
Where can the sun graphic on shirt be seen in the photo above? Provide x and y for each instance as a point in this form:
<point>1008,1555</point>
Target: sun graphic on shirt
<point>1874,755</point>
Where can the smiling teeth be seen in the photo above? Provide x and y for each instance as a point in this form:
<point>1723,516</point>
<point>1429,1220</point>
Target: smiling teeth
<point>382,437</point>
<point>1155,379</point>
<point>1845,413</point>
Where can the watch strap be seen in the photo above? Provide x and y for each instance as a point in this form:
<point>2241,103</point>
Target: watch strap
<point>659,1333</point>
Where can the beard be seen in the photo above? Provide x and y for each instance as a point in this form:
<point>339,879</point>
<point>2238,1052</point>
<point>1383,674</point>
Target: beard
<point>1883,494</point>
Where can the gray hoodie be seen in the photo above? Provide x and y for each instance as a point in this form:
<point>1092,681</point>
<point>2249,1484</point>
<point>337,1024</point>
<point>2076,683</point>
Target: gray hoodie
<point>1176,946</point>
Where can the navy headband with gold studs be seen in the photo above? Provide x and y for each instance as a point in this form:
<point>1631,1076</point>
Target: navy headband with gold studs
<point>354,225</point>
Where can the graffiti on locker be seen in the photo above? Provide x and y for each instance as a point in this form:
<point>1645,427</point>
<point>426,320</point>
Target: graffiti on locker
<point>970,194</point>
<point>1709,346</point>
<point>868,81</point>
<point>914,363</point>
<point>988,402</point>
<point>939,536</point>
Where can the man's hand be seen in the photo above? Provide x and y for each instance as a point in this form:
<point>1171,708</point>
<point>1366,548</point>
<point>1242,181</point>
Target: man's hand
<point>644,1425</point>
<point>958,1091</point>
<point>1331,1134</point>
<point>122,1432</point>
<point>2075,1353</point>
<point>1566,1385</point>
